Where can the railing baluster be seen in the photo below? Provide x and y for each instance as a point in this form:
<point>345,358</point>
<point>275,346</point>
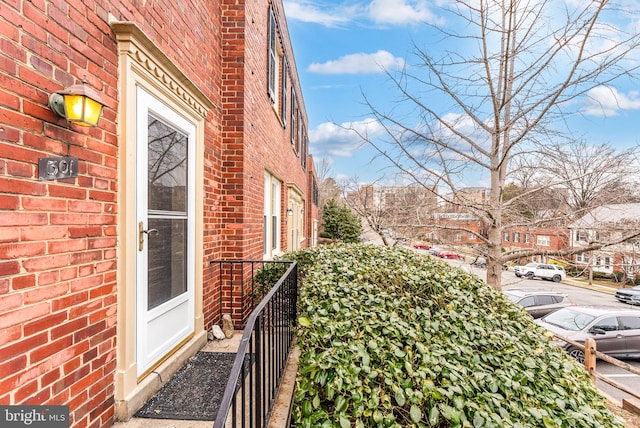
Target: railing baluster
<point>267,339</point>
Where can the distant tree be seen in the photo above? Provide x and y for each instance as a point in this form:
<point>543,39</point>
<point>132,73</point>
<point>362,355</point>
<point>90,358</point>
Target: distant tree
<point>328,188</point>
<point>499,94</point>
<point>340,224</point>
<point>391,212</point>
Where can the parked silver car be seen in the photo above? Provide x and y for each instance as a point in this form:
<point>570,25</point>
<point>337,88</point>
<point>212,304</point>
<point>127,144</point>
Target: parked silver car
<point>615,330</point>
<point>629,295</point>
<point>539,303</point>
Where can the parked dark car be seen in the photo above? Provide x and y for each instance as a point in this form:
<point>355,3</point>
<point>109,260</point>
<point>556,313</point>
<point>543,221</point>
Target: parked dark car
<point>539,303</point>
<point>629,295</point>
<point>616,331</point>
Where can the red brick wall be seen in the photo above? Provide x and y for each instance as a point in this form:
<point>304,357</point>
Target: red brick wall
<point>254,139</point>
<point>58,239</point>
<point>558,238</point>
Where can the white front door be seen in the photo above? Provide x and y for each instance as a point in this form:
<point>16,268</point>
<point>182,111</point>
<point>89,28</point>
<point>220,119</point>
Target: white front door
<point>165,226</point>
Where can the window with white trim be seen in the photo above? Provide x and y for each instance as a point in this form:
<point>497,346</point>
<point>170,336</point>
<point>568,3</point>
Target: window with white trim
<point>283,91</point>
<point>294,123</point>
<point>582,257</point>
<point>274,58</point>
<point>271,223</point>
<point>544,240</point>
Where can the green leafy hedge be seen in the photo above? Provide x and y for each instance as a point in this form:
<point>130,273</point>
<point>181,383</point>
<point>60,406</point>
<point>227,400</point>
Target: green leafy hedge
<point>390,338</point>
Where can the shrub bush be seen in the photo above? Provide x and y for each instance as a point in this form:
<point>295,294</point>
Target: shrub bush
<point>390,338</point>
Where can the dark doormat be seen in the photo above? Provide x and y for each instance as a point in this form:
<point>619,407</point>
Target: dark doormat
<point>195,390</point>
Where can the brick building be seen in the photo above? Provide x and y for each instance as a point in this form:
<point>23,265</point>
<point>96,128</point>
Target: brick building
<point>200,154</point>
<point>546,239</point>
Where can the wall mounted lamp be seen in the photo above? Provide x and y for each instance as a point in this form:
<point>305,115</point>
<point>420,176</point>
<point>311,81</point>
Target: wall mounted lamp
<point>79,104</point>
<point>290,211</point>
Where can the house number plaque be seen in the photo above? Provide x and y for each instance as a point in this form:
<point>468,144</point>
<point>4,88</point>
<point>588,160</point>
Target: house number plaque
<point>54,168</point>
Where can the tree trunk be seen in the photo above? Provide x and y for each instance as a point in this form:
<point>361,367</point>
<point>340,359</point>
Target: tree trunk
<point>494,259</point>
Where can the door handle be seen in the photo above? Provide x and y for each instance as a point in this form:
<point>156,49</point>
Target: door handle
<point>141,233</point>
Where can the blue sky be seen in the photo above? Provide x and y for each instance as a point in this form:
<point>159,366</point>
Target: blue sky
<point>341,49</point>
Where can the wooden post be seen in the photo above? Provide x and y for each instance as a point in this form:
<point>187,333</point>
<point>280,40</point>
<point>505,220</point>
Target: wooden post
<point>590,358</point>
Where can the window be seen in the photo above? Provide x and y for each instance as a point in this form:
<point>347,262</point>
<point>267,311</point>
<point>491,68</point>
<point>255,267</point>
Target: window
<point>283,103</point>
<point>297,132</point>
<point>544,299</point>
<point>305,145</point>
<point>544,240</point>
<point>630,323</point>
<point>607,262</point>
<point>527,301</point>
<point>527,238</point>
<point>607,324</point>
<point>582,257</point>
<point>505,236</point>
<point>516,237</point>
<point>271,224</point>
<point>472,237</point>
<point>457,237</point>
<point>274,57</point>
<point>293,117</point>
<point>581,235</point>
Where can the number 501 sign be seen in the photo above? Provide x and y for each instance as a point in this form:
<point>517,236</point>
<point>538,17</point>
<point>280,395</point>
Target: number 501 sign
<point>53,168</point>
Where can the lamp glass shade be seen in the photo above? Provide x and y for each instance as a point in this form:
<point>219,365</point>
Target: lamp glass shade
<point>82,110</point>
<point>78,104</point>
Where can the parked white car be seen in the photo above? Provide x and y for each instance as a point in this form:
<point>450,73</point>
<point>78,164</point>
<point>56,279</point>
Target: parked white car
<point>549,272</point>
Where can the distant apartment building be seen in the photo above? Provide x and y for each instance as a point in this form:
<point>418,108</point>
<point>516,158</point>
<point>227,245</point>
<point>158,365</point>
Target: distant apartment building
<point>543,239</point>
<point>477,196</point>
<point>454,229</point>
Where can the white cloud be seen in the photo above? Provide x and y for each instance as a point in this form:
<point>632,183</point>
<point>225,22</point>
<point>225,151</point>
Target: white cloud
<point>307,11</point>
<point>359,63</point>
<point>399,12</point>
<point>394,12</point>
<point>330,139</point>
<point>607,101</point>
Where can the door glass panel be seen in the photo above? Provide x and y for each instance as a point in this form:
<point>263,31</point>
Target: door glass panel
<point>167,212</point>
<point>167,260</point>
<point>167,167</point>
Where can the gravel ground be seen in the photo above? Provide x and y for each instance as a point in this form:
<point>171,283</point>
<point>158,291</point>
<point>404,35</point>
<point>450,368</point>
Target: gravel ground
<point>632,420</point>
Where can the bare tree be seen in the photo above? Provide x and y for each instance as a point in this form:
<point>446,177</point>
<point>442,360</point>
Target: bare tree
<point>499,94</point>
<point>362,201</point>
<point>583,176</point>
<point>391,212</point>
<point>327,188</point>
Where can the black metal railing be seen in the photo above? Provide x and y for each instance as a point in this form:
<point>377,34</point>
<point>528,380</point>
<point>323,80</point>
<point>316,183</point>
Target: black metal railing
<point>266,342</point>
